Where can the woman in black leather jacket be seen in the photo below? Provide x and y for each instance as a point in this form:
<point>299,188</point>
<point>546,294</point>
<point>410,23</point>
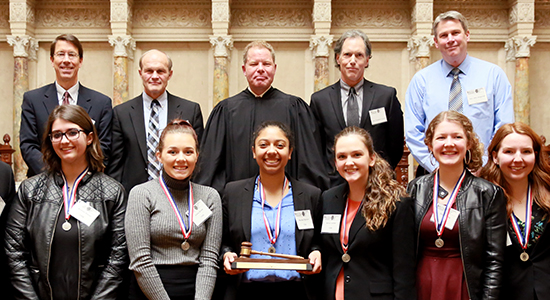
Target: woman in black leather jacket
<point>460,255</point>
<point>65,233</point>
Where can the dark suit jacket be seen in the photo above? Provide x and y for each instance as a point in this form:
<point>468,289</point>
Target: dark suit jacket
<point>387,137</point>
<point>382,263</point>
<point>7,193</point>
<point>524,280</point>
<point>35,110</point>
<point>128,164</point>
<point>237,212</point>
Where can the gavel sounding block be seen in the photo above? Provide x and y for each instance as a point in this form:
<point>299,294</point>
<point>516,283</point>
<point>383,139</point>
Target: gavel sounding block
<point>271,264</point>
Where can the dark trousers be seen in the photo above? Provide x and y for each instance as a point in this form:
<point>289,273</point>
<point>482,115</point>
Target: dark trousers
<point>287,290</point>
<point>178,281</point>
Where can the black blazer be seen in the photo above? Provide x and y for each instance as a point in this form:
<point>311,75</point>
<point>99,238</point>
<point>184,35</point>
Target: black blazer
<point>237,211</point>
<point>382,263</point>
<point>128,163</point>
<point>35,110</point>
<point>524,280</point>
<point>326,105</point>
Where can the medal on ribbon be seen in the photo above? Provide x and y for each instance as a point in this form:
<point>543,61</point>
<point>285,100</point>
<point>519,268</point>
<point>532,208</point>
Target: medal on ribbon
<point>190,202</point>
<point>440,223</point>
<point>270,235</point>
<point>523,238</point>
<point>69,197</point>
<point>345,241</point>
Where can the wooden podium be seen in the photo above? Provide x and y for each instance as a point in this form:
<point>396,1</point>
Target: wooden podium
<point>289,262</point>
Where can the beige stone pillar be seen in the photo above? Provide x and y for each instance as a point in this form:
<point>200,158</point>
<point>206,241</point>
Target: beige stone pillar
<point>419,50</point>
<point>518,49</point>
<point>222,45</point>
<point>24,49</point>
<point>123,52</point>
<point>320,47</point>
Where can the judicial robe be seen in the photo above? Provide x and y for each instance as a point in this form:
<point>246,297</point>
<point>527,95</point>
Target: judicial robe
<point>226,154</point>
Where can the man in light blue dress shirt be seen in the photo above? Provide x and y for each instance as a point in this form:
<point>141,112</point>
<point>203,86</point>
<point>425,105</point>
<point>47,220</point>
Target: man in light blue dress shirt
<point>485,89</point>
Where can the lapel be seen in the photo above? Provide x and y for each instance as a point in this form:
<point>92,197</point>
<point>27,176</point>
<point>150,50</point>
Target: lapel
<point>368,100</point>
<point>173,108</point>
<point>136,117</point>
<point>246,205</point>
<point>84,98</point>
<point>300,203</point>
<point>357,225</point>
<point>336,101</point>
<point>543,240</point>
<point>337,206</point>
<point>50,98</point>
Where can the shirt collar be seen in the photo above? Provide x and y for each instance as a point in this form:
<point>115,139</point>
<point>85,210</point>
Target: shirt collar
<point>464,67</point>
<point>259,96</point>
<point>345,87</point>
<point>162,99</point>
<point>73,91</point>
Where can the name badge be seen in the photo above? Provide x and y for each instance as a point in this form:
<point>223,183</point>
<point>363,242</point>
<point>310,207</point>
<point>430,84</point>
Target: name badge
<point>378,116</point>
<point>202,213</point>
<point>303,219</point>
<point>476,96</point>
<point>331,224</point>
<point>83,212</point>
<point>451,220</point>
<point>508,239</point>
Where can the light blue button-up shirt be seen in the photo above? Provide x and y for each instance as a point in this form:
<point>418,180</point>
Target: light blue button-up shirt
<point>428,95</point>
<point>286,242</point>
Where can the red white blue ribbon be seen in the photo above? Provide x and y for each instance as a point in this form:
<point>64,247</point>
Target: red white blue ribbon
<point>345,237</point>
<point>523,239</point>
<point>271,236</point>
<point>190,202</point>
<point>440,224</point>
<point>69,195</point>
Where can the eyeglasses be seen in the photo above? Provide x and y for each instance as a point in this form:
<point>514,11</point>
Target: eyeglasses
<point>71,134</point>
<point>72,55</point>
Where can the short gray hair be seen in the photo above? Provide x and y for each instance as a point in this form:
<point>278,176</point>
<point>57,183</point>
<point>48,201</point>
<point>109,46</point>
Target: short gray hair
<point>258,44</point>
<point>450,15</point>
<point>351,34</point>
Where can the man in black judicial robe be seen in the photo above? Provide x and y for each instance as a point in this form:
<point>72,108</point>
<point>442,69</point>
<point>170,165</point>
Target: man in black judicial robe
<point>226,153</point>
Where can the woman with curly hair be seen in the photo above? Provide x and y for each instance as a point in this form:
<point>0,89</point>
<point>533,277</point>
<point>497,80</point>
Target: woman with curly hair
<point>521,168</point>
<point>367,255</point>
<point>459,217</point>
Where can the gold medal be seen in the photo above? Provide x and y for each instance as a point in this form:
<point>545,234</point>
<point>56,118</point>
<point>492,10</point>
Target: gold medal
<point>271,250</point>
<point>346,258</point>
<point>524,256</point>
<point>66,226</point>
<point>185,246</point>
<point>439,243</point>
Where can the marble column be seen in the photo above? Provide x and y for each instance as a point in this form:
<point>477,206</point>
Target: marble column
<point>123,52</point>
<point>419,50</point>
<point>222,45</point>
<point>320,44</point>
<point>24,49</point>
<point>518,48</point>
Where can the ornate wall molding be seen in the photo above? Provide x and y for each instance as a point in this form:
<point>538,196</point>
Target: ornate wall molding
<point>72,17</point>
<point>4,15</point>
<point>422,12</point>
<point>371,18</point>
<point>220,12</point>
<point>522,12</point>
<point>419,46</point>
<point>519,46</point>
<point>121,12</point>
<point>124,45</point>
<point>222,45</point>
<point>322,12</point>
<point>483,18</point>
<point>320,44</point>
<point>159,17</point>
<point>21,12</point>
<point>542,18</point>
<point>23,46</point>
<point>276,17</point>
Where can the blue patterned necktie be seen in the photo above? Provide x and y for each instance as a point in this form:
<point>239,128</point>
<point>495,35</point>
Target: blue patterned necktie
<point>352,113</point>
<point>153,166</point>
<point>455,96</point>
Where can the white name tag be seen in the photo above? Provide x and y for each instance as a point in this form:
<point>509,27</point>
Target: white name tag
<point>451,220</point>
<point>201,213</point>
<point>476,96</point>
<point>331,224</point>
<point>83,212</point>
<point>378,116</point>
<point>303,219</point>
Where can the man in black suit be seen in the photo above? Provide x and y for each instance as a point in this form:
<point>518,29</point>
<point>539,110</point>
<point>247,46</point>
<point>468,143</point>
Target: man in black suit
<point>66,55</point>
<point>129,163</point>
<point>356,101</point>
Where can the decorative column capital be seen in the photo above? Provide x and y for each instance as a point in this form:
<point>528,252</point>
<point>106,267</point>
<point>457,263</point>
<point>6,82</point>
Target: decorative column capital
<point>23,46</point>
<point>319,44</point>
<point>222,44</point>
<point>519,46</point>
<point>522,13</point>
<point>124,45</point>
<point>419,46</point>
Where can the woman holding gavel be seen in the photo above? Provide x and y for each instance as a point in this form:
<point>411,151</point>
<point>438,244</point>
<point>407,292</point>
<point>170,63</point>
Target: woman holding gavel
<point>367,228</point>
<point>277,214</point>
<point>520,166</point>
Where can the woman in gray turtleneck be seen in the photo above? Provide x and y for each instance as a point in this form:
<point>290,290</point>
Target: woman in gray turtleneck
<point>173,226</point>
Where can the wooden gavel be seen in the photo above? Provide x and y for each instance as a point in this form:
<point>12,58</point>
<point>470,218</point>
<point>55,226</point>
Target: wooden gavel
<point>246,251</point>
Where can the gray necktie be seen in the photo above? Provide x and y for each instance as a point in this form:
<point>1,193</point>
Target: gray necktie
<point>455,96</point>
<point>352,113</point>
<point>153,166</point>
